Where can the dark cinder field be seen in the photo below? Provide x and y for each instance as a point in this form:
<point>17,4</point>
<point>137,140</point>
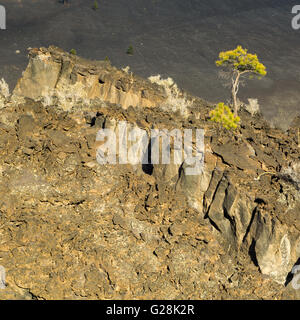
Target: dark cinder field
<point>176,38</point>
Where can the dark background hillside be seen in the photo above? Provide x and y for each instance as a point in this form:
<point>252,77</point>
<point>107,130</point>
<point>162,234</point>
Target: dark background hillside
<point>173,38</point>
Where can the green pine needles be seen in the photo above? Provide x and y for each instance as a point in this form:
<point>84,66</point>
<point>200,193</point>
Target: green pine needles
<point>223,115</point>
<point>130,50</point>
<point>95,6</point>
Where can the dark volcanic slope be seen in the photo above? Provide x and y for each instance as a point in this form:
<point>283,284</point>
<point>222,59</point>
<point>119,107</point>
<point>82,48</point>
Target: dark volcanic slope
<point>175,38</point>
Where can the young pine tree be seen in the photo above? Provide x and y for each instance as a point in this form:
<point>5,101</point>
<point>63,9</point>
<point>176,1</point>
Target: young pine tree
<point>95,6</point>
<point>239,63</point>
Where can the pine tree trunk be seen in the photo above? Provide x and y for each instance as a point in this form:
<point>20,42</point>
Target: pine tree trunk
<point>234,91</point>
<point>234,100</point>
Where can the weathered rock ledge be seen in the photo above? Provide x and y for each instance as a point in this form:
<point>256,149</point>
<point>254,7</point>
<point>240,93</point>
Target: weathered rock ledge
<point>53,68</point>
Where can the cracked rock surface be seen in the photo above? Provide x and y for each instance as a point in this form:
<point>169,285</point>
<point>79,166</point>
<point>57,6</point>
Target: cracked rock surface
<point>71,228</point>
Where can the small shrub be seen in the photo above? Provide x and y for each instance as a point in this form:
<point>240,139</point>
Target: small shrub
<point>166,83</point>
<point>95,6</point>
<point>176,99</point>
<point>65,97</point>
<point>73,51</point>
<point>4,93</point>
<point>252,107</point>
<point>4,89</point>
<point>126,69</point>
<point>223,115</point>
<point>130,50</point>
<point>291,174</point>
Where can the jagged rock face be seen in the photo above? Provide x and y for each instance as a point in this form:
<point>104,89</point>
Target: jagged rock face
<point>53,69</point>
<point>71,228</point>
<point>74,229</point>
<point>228,209</point>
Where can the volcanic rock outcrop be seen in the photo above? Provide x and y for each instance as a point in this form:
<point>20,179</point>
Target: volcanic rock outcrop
<point>71,228</point>
<point>52,68</point>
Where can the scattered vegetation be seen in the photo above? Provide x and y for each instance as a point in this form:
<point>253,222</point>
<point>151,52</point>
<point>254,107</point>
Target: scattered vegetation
<point>95,6</point>
<point>176,99</point>
<point>238,63</point>
<point>6,97</point>
<point>66,97</point>
<point>253,106</point>
<point>281,119</point>
<point>291,174</point>
<point>130,50</point>
<point>126,69</point>
<point>4,89</point>
<point>223,115</point>
<point>4,93</point>
<point>73,51</point>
